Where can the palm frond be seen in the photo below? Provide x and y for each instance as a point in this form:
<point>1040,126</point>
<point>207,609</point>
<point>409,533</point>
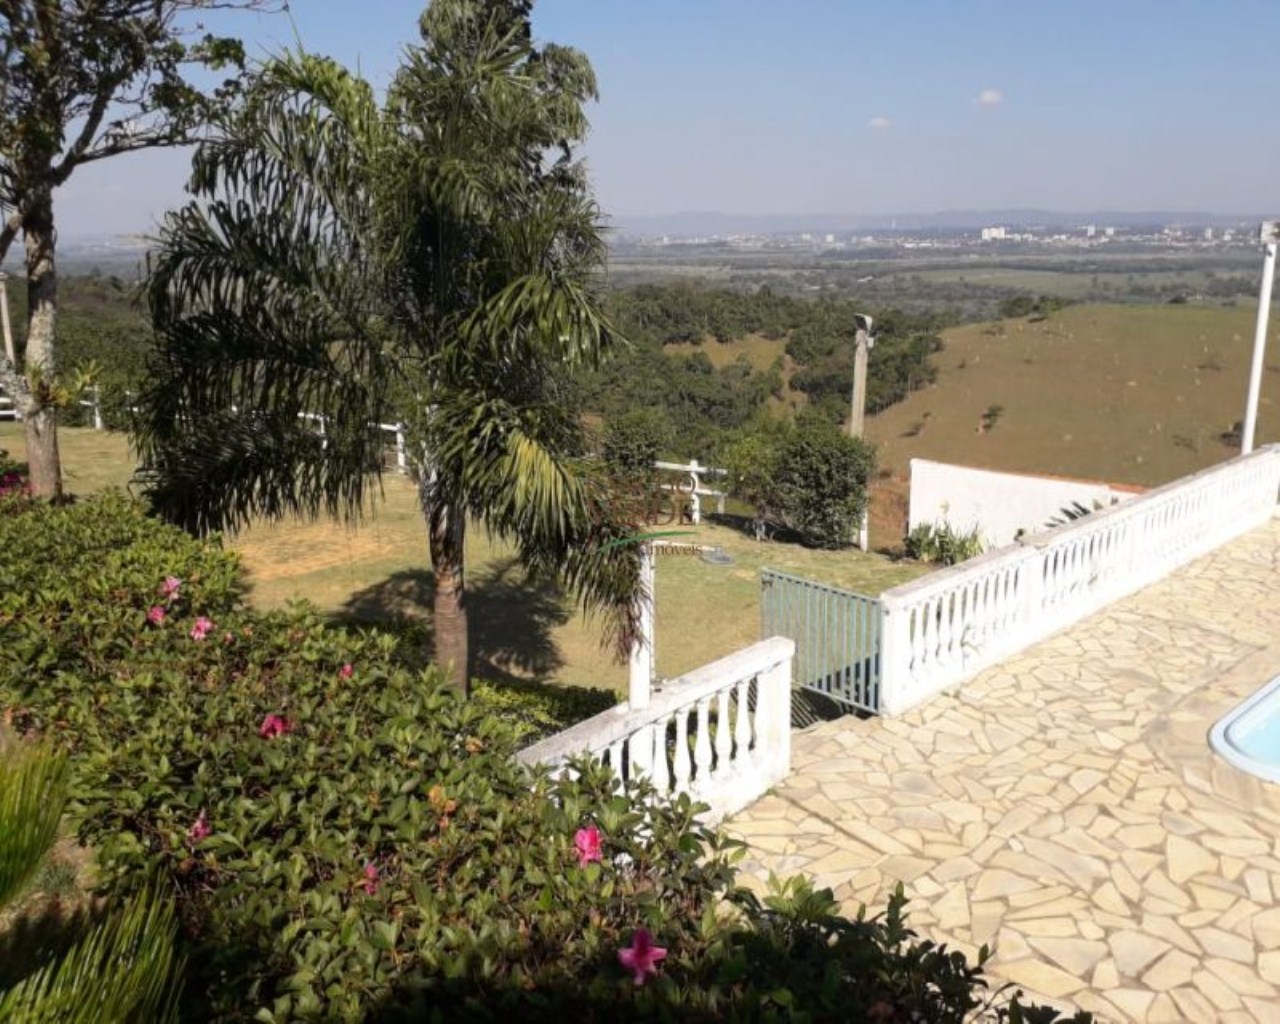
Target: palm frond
<point>33,790</point>
<point>123,970</point>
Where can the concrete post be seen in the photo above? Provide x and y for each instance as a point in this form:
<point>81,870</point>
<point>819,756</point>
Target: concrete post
<point>858,404</point>
<point>641,663</point>
<point>1270,234</point>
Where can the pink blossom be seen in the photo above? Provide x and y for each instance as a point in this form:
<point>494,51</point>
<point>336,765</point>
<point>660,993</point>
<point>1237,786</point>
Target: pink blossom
<point>155,615</point>
<point>587,841</point>
<point>642,956</point>
<point>199,829</point>
<point>201,629</point>
<point>273,726</point>
<point>370,879</point>
<point>346,671</point>
<point>170,587</point>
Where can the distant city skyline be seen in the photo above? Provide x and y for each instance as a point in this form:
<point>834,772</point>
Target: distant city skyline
<point>851,108</point>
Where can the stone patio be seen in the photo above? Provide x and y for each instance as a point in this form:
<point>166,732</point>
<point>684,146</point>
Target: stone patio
<point>1064,807</point>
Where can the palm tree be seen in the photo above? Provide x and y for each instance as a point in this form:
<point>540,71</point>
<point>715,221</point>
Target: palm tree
<point>122,967</point>
<point>431,255</point>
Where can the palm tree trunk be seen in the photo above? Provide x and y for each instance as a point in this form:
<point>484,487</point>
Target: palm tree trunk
<point>446,532</point>
<point>39,416</point>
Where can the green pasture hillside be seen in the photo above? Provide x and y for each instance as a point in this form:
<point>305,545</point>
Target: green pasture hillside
<point>1133,394</point>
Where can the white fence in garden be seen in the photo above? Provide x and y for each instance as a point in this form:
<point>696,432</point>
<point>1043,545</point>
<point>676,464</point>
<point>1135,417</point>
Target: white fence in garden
<point>943,629</point>
<point>694,487</point>
<point>721,733</point>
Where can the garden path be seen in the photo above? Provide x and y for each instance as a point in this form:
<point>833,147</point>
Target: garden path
<point>1065,808</point>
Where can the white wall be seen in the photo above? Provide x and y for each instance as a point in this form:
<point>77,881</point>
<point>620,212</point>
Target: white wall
<point>999,504</point>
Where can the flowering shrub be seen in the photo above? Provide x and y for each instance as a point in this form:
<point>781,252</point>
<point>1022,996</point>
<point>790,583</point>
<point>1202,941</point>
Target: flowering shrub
<point>358,844</point>
<point>15,491</point>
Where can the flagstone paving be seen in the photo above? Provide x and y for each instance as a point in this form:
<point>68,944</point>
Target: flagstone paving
<point>1065,808</point>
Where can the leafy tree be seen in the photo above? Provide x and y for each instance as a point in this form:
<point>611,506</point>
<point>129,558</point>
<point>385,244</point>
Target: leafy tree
<point>79,83</point>
<point>635,440</point>
<point>431,256</point>
<point>810,478</point>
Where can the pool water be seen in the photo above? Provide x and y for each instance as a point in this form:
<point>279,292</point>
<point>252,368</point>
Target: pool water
<point>1248,736</point>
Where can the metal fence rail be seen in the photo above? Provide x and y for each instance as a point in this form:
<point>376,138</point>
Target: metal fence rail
<point>836,632</point>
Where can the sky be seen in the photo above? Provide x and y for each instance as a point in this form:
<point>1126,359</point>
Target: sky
<point>854,106</point>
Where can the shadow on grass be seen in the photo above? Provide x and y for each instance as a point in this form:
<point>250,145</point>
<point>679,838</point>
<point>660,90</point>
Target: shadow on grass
<point>41,933</point>
<point>511,616</point>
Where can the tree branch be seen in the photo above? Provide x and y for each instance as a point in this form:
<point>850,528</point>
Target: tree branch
<point>93,121</point>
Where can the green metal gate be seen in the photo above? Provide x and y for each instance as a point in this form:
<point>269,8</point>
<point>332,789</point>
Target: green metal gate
<point>837,636</point>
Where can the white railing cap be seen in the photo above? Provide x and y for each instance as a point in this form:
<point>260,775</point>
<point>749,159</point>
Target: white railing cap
<point>1105,517</point>
<point>943,579</point>
<point>608,727</point>
<point>1011,554</point>
<point>691,467</point>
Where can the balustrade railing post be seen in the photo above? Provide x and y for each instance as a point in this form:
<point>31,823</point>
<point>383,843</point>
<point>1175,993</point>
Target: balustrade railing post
<point>773,718</point>
<point>895,658</point>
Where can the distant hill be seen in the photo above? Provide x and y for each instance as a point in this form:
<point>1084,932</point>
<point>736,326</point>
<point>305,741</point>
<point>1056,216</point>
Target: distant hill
<point>714,223</point>
<point>1132,394</point>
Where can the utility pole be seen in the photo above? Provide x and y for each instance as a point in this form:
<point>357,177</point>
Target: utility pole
<point>863,343</point>
<point>1268,235</point>
<point>858,403</point>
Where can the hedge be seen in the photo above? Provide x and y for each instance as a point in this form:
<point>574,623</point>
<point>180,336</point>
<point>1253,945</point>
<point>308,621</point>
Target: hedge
<point>348,841</point>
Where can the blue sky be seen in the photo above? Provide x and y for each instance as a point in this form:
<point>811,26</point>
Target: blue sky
<point>853,106</point>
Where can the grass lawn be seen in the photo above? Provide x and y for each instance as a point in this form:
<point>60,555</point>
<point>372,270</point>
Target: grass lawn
<point>378,571</point>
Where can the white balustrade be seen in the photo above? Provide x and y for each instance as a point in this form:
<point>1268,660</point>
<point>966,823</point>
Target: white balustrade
<point>945,628</point>
<point>721,733</point>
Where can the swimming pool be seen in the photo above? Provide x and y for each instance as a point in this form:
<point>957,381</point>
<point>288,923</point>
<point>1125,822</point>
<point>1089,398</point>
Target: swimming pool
<point>1248,736</point>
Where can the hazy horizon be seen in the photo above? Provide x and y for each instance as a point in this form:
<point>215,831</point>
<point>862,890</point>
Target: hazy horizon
<point>862,109</point>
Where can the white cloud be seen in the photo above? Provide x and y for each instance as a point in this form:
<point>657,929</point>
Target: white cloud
<point>990,98</point>
<point>879,124</point>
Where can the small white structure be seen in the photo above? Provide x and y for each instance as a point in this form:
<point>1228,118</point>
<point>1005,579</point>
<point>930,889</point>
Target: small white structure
<point>1001,506</point>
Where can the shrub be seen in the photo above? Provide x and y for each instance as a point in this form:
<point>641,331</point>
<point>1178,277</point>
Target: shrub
<point>350,841</point>
<point>810,478</point>
<point>943,544</point>
<point>634,440</point>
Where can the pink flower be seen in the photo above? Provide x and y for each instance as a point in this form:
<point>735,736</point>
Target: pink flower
<point>155,615</point>
<point>370,879</point>
<point>201,629</point>
<point>273,726</point>
<point>587,841</point>
<point>199,830</point>
<point>170,587</point>
<point>346,671</point>
<point>642,956</point>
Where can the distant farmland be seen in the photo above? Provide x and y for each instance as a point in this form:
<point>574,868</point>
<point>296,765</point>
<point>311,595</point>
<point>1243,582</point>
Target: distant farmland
<point>1135,394</point>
